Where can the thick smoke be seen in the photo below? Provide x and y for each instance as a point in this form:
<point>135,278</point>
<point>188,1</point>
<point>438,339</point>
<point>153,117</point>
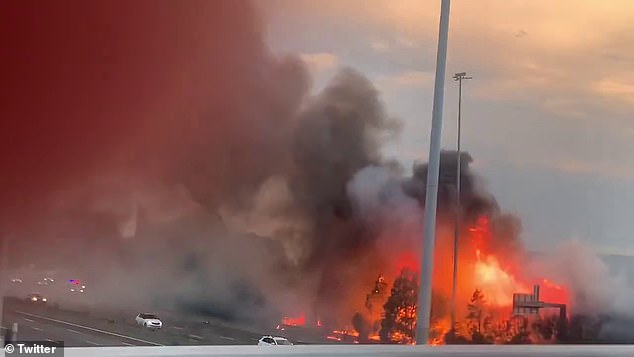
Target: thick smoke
<point>174,149</point>
<point>600,297</point>
<point>148,147</point>
<point>133,126</point>
<point>475,200</point>
<point>390,205</point>
<point>177,163</point>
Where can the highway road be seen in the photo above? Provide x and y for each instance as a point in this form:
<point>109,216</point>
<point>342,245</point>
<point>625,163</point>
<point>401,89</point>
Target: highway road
<point>39,327</point>
<point>77,329</point>
<point>84,334</point>
<point>36,328</point>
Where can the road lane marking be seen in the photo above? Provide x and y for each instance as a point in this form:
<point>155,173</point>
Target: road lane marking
<point>29,320</point>
<point>127,344</point>
<point>36,328</point>
<point>49,340</point>
<point>93,343</point>
<point>228,338</point>
<point>73,331</point>
<point>89,328</point>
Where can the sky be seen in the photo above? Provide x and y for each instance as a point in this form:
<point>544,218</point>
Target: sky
<point>547,116</point>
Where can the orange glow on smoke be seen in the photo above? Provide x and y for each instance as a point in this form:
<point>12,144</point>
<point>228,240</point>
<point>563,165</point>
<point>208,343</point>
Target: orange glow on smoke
<point>407,260</point>
<point>550,284</point>
<point>480,233</point>
<point>294,321</point>
<point>553,292</point>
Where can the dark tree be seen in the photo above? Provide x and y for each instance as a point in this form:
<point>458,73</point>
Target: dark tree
<point>376,297</point>
<point>516,331</point>
<point>584,329</point>
<point>399,322</point>
<point>520,338</point>
<point>453,337</point>
<point>478,320</point>
<point>362,326</point>
<point>439,310</point>
<point>546,327</point>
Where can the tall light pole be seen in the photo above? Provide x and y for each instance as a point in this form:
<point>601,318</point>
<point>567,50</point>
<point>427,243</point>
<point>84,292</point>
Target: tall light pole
<point>456,234</point>
<point>431,196</point>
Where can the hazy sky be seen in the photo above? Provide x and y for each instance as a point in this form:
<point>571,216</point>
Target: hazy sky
<point>547,116</point>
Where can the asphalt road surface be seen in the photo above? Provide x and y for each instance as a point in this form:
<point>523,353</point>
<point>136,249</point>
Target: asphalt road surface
<point>88,334</point>
<point>38,327</point>
<point>41,323</point>
<point>33,327</point>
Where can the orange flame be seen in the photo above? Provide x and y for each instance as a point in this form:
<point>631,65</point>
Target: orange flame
<point>496,283</point>
<point>294,321</point>
<point>482,265</point>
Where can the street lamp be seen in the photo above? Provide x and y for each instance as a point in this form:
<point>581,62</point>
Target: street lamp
<point>431,194</point>
<point>458,77</point>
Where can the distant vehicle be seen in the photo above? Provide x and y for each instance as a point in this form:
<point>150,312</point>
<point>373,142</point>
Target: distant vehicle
<point>46,281</point>
<point>36,299</point>
<point>274,341</point>
<point>78,289</point>
<point>150,321</point>
<point>76,286</point>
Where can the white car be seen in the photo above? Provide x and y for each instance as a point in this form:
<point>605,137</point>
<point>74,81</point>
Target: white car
<point>78,289</point>
<point>36,298</point>
<point>274,341</point>
<point>149,320</point>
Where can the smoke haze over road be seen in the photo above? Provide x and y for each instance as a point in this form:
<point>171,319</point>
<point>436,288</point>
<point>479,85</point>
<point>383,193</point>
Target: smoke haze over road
<point>175,161</point>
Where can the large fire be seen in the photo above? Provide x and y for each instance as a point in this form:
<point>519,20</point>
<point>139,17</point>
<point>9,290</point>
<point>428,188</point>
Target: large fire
<point>493,273</point>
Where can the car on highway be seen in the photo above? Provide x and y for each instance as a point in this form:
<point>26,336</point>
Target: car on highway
<point>76,286</point>
<point>150,321</point>
<point>78,289</point>
<point>273,341</point>
<point>36,298</point>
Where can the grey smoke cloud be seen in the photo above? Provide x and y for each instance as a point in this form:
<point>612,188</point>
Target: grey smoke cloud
<point>199,157</point>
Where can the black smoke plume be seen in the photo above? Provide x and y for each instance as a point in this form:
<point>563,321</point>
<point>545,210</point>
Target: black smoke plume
<point>161,149</point>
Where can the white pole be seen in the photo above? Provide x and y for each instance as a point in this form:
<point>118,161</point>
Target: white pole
<point>431,196</point>
<point>456,238</point>
<point>456,233</point>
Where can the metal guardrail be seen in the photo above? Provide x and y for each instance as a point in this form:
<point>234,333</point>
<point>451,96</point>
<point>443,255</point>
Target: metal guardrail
<point>358,350</point>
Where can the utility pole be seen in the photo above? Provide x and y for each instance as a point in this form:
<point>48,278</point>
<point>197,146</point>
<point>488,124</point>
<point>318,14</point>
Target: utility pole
<point>456,235</point>
<point>431,196</point>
